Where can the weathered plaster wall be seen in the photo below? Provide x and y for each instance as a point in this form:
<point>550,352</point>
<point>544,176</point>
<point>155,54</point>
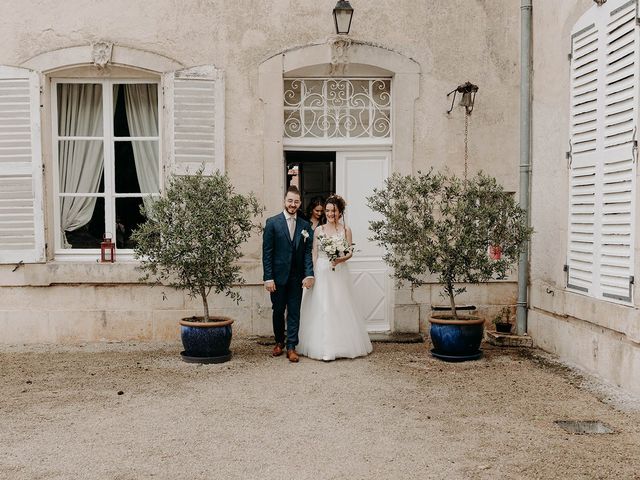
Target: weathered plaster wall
<point>602,337</point>
<point>452,41</point>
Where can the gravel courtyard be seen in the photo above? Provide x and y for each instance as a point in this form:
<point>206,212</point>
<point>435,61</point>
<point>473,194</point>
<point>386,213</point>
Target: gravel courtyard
<point>134,411</point>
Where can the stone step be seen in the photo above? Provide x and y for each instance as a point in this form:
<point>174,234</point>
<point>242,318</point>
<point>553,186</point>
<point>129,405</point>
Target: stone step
<point>508,340</point>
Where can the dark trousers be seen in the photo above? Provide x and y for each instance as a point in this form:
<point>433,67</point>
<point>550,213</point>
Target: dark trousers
<point>287,297</point>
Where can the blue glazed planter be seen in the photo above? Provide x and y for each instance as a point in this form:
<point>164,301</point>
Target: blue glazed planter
<point>206,342</point>
<point>456,340</point>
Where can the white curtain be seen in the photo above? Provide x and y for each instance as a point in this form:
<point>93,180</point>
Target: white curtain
<point>81,161</point>
<point>141,105</point>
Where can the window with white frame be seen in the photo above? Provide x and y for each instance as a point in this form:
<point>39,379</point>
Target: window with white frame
<point>106,155</point>
<point>106,159</point>
<point>603,138</point>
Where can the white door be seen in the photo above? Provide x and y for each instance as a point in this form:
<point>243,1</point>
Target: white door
<point>357,174</point>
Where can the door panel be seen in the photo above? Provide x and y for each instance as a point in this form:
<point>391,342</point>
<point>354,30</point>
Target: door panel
<point>357,174</point>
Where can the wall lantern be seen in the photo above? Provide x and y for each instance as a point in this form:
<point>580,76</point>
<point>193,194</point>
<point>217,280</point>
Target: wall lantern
<point>107,249</point>
<point>468,91</point>
<point>342,14</point>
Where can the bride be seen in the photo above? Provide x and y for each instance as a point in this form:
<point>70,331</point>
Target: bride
<point>330,324</point>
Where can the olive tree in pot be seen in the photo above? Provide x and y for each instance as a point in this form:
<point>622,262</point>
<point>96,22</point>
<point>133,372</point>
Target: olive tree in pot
<point>191,241</point>
<point>437,223</point>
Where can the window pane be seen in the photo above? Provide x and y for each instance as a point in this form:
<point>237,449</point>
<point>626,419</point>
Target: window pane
<point>136,167</point>
<point>82,222</point>
<point>80,110</point>
<point>81,166</point>
<point>135,110</point>
<point>128,217</point>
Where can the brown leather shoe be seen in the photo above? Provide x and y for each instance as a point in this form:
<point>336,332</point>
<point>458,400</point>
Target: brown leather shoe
<point>277,350</point>
<point>292,356</point>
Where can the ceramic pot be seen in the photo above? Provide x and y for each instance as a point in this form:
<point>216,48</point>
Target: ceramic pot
<point>206,342</point>
<point>456,339</point>
<point>503,327</point>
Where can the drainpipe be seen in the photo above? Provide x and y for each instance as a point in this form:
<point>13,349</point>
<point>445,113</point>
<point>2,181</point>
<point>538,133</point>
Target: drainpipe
<point>525,157</point>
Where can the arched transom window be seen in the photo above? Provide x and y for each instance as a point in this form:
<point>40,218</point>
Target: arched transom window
<point>356,108</point>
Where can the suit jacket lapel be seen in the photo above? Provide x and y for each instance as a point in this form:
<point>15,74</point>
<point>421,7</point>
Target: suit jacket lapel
<point>285,226</point>
<point>296,233</point>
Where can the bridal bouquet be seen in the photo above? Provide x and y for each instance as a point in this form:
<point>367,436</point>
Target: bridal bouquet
<point>334,247</point>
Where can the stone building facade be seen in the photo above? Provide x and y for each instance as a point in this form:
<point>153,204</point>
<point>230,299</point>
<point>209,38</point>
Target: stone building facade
<point>251,71</point>
<point>246,57</point>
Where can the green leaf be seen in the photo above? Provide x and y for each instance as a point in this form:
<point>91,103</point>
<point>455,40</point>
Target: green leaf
<point>193,234</point>
<point>436,223</point>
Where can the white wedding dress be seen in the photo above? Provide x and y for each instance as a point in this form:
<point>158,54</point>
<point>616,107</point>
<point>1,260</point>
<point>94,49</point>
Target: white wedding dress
<point>331,325</point>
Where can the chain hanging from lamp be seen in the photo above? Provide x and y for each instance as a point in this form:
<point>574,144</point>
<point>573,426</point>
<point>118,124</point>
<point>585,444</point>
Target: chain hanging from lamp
<point>468,91</point>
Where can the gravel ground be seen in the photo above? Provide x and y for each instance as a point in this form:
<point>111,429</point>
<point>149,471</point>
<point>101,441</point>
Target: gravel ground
<point>132,411</point>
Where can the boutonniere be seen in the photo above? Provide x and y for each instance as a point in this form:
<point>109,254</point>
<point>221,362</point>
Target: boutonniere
<point>304,234</point>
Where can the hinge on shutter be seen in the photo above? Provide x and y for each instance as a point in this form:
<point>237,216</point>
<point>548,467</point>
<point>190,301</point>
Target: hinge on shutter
<point>570,54</point>
<point>569,156</point>
<point>574,287</point>
<point>634,149</point>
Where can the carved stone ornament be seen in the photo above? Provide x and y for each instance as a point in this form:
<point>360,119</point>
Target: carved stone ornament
<point>600,2</point>
<point>339,54</point>
<point>101,54</point>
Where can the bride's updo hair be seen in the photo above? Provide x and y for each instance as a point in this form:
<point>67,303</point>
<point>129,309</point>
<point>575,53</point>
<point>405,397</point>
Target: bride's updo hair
<point>337,201</point>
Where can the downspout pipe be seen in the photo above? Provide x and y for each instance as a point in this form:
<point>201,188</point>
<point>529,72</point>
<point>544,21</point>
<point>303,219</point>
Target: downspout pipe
<point>526,8</point>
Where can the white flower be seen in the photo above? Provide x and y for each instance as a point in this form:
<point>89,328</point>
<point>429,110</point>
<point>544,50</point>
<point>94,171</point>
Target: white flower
<point>304,234</point>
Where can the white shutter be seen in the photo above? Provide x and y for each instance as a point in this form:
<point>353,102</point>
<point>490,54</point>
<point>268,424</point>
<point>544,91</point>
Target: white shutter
<point>604,119</point>
<point>583,132</point>
<point>194,116</point>
<point>620,75</point>
<point>21,212</point>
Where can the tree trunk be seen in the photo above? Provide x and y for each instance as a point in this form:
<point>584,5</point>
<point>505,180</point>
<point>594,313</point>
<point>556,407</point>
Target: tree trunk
<point>452,300</point>
<point>203,294</point>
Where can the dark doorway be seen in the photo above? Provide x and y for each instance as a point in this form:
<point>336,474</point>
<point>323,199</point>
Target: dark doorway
<point>314,173</point>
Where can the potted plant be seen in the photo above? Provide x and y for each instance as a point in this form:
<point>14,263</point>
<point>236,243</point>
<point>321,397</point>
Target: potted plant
<point>437,223</point>
<point>501,320</point>
<point>191,241</point>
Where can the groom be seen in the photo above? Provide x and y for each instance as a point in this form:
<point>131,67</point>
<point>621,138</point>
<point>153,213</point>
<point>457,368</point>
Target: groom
<point>288,267</point>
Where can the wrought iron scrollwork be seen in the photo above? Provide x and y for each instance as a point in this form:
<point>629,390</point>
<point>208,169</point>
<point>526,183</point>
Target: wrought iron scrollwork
<point>334,108</point>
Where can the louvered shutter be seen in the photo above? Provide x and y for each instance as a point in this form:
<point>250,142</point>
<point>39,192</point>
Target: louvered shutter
<point>620,75</point>
<point>194,112</point>
<point>583,131</point>
<point>604,119</point>
<point>21,212</point>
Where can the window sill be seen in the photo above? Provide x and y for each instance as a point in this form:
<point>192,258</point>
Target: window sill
<point>92,256</point>
<point>72,271</point>
<point>87,270</point>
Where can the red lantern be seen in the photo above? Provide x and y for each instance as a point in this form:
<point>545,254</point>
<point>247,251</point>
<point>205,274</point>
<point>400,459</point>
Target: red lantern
<point>107,249</point>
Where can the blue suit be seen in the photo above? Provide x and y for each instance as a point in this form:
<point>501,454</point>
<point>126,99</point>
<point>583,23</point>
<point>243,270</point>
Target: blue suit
<point>287,262</point>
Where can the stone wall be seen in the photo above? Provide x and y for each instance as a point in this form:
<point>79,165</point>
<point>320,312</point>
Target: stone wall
<point>601,336</point>
<point>450,41</point>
